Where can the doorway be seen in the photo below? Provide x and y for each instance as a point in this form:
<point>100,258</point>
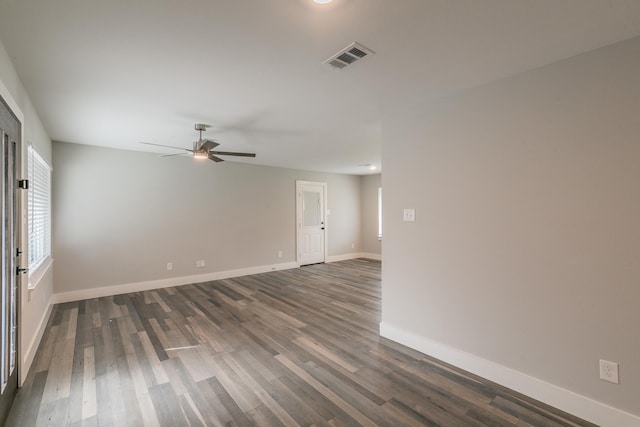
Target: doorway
<point>311,224</point>
<point>10,129</point>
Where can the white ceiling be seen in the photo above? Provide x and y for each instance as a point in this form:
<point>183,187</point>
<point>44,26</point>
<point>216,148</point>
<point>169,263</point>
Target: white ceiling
<point>112,73</point>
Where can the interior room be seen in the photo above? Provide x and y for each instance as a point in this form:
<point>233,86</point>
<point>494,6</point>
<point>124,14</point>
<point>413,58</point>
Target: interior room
<point>305,212</point>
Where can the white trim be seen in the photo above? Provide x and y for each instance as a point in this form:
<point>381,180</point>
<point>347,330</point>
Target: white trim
<point>345,257</point>
<point>30,354</point>
<point>377,257</point>
<point>566,400</point>
<point>13,106</point>
<point>36,275</point>
<point>83,294</point>
<point>380,213</point>
<point>5,93</point>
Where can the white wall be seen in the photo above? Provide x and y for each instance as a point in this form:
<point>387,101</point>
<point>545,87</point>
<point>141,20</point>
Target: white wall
<point>371,245</point>
<point>525,250</point>
<point>35,304</point>
<point>121,216</point>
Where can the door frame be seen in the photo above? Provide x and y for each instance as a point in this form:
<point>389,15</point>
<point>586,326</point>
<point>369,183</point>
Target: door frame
<point>21,226</point>
<point>298,195</point>
<point>12,154</point>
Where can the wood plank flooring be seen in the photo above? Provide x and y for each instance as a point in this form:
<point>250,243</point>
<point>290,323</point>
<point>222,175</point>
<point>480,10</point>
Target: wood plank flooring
<point>287,348</point>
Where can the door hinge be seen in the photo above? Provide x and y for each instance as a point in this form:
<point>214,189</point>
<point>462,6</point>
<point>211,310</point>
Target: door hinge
<point>23,184</point>
<point>20,270</point>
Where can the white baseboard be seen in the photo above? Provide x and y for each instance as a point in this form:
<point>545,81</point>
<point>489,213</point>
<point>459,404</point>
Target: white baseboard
<point>377,257</point>
<point>30,353</point>
<point>345,257</point>
<point>83,294</point>
<point>565,400</point>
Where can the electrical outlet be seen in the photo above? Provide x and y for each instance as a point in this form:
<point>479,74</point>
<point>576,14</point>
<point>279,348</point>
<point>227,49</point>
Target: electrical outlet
<point>200,263</point>
<point>409,215</point>
<point>353,246</point>
<point>169,266</point>
<point>609,371</point>
<point>279,254</point>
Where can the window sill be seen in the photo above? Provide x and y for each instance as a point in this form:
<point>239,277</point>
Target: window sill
<point>36,275</point>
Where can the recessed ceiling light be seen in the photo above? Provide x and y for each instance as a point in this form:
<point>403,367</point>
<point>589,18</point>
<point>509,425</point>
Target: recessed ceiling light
<point>323,1</point>
<point>372,167</point>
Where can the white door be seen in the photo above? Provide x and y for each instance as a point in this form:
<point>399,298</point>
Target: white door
<point>311,223</point>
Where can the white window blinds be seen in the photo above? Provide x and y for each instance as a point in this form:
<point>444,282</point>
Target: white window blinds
<point>39,209</point>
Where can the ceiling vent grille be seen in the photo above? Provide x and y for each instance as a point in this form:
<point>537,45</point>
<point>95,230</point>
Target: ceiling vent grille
<point>347,56</point>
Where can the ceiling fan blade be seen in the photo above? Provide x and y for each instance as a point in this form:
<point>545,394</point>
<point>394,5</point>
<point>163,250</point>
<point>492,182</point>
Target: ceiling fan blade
<point>230,153</point>
<point>166,146</point>
<point>174,155</point>
<point>207,145</point>
<point>214,158</point>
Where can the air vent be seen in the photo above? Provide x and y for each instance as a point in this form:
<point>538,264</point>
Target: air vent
<point>347,56</point>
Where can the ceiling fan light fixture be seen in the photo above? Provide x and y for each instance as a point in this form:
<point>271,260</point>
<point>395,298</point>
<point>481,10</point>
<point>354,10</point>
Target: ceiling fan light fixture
<point>200,155</point>
<point>323,1</point>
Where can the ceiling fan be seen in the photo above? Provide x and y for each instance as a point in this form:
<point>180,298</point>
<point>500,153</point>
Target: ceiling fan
<point>203,148</point>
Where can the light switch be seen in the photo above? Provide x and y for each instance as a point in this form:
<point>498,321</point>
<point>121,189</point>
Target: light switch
<point>409,215</point>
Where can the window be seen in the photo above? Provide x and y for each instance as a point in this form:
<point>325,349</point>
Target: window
<point>379,212</point>
<point>39,209</point>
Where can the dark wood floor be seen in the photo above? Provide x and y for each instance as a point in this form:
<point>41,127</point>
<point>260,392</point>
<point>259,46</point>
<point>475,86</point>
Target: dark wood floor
<point>296,347</point>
